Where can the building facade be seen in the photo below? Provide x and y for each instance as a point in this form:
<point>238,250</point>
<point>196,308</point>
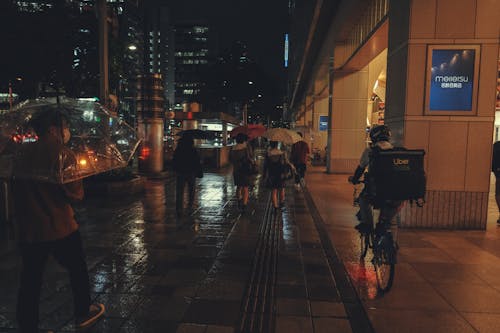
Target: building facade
<point>429,70</point>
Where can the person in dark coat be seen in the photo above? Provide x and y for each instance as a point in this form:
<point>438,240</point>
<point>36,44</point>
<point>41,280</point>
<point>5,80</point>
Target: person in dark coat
<point>187,166</point>
<point>47,226</point>
<point>242,159</point>
<point>495,167</point>
<point>298,156</point>
<point>273,173</point>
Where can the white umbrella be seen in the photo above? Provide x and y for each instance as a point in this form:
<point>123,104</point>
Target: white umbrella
<point>99,141</point>
<point>283,135</point>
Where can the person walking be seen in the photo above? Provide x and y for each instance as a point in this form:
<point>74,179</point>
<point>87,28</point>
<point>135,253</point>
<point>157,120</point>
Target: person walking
<point>495,167</point>
<point>47,225</point>
<point>187,166</point>
<point>274,165</point>
<point>243,161</point>
<point>298,156</point>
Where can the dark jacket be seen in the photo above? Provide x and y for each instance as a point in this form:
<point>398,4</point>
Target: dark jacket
<point>43,209</point>
<point>299,153</point>
<point>495,163</point>
<point>186,161</point>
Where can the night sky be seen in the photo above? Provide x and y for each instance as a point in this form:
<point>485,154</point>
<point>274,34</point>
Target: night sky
<point>261,24</point>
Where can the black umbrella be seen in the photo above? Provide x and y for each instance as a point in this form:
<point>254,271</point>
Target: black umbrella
<point>197,134</point>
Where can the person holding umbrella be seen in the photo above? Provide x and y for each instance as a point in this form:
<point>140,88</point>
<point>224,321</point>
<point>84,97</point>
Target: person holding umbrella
<point>47,225</point>
<point>187,166</point>
<point>274,167</point>
<point>241,156</point>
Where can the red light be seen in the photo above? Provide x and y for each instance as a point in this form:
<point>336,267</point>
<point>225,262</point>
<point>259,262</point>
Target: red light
<point>189,115</point>
<point>145,152</point>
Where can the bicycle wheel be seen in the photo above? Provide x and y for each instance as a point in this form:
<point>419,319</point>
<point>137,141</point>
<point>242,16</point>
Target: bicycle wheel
<point>384,261</point>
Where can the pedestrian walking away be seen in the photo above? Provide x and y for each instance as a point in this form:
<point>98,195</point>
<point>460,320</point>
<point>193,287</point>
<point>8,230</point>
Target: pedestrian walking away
<point>298,156</point>
<point>275,165</point>
<point>495,167</point>
<point>379,136</point>
<point>244,166</point>
<point>187,166</point>
<point>47,226</point>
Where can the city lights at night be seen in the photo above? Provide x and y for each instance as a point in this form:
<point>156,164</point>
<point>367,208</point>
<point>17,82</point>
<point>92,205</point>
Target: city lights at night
<point>283,166</point>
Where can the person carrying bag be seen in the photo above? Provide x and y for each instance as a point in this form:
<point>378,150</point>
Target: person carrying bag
<point>244,167</point>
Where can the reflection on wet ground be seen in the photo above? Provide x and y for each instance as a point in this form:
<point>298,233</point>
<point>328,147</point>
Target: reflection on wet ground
<point>156,272</point>
<point>446,281</point>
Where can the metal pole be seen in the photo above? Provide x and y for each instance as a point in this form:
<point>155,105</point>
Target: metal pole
<point>6,203</point>
<point>10,96</point>
<point>245,113</point>
<point>311,129</point>
<point>330,115</point>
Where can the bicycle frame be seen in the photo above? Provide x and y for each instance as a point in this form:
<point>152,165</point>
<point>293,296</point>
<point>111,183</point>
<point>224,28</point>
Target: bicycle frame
<point>384,247</point>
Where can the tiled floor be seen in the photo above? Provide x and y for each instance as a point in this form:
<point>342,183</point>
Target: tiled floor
<point>159,273</point>
<point>446,281</point>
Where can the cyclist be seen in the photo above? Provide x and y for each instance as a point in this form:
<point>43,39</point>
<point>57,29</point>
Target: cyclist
<point>380,136</point>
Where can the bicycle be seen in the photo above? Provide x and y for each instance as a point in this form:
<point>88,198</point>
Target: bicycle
<point>383,242</point>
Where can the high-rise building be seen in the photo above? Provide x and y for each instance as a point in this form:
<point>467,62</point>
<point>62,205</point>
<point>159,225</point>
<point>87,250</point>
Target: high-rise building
<point>191,57</point>
<point>159,48</point>
<point>179,51</point>
<point>33,6</point>
<point>125,46</point>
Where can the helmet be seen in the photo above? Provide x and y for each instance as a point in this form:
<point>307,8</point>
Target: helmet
<point>380,133</point>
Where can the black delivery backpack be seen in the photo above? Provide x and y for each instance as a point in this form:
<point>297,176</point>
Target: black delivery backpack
<point>396,174</point>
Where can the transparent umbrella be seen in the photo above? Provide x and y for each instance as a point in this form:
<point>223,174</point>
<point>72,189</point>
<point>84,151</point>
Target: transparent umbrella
<point>99,141</point>
<point>284,135</point>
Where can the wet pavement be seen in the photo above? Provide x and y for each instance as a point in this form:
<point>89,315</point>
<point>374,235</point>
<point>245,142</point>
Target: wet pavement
<point>213,270</point>
<point>446,281</point>
<point>293,270</point>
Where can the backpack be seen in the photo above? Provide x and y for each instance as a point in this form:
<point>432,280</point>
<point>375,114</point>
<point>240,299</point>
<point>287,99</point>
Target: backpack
<point>396,174</point>
<point>245,162</point>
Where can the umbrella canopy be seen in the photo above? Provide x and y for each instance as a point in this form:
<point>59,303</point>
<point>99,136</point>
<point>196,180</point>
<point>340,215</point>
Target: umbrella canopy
<point>283,135</point>
<point>99,141</point>
<point>252,131</point>
<point>196,134</point>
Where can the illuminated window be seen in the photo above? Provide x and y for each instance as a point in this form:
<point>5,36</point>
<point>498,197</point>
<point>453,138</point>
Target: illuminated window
<point>200,30</point>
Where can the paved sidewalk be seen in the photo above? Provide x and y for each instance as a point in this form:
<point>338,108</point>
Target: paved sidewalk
<point>446,281</point>
<point>214,270</point>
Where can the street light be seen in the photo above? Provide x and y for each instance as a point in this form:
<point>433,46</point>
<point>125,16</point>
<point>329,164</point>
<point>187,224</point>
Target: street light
<point>132,47</point>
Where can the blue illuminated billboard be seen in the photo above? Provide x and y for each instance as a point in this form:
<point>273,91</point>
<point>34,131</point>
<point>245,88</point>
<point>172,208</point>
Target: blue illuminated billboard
<point>452,83</point>
<point>323,123</point>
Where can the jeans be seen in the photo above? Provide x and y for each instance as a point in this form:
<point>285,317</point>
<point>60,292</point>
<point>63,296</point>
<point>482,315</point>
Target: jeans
<point>181,182</point>
<point>388,210</point>
<point>68,252</point>
<point>301,171</point>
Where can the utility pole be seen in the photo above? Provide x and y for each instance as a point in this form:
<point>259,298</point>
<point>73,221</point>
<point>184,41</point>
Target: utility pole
<point>245,113</point>
<point>330,113</point>
<point>10,96</point>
